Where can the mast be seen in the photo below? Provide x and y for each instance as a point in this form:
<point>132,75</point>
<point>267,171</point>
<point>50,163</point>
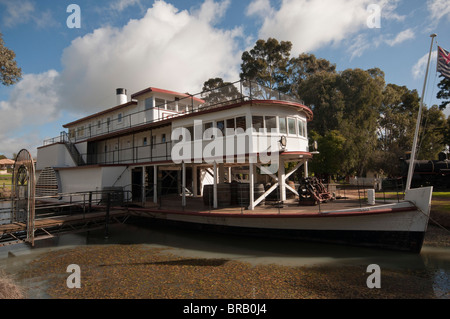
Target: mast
<point>419,115</point>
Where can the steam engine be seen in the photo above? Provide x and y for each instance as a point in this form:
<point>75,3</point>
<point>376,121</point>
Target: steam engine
<point>429,172</point>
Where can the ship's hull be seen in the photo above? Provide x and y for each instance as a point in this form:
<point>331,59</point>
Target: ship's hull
<point>397,226</point>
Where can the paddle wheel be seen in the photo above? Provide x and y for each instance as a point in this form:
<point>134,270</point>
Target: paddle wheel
<point>311,192</point>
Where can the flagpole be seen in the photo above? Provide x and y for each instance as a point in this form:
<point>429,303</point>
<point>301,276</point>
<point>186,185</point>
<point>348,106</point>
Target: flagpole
<point>419,115</point>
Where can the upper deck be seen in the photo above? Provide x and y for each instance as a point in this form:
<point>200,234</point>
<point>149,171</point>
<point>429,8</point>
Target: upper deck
<point>153,107</point>
<point>147,128</point>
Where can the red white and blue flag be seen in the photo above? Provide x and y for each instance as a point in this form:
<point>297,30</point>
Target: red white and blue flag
<point>443,62</point>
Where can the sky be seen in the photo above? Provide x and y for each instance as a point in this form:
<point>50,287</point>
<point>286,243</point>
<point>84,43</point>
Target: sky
<point>72,60</point>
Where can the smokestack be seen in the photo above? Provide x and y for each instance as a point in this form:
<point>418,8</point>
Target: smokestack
<point>121,96</point>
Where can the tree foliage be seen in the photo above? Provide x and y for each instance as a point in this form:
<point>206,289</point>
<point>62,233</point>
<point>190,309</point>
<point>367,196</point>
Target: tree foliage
<point>10,73</point>
<point>361,123</point>
<point>444,93</point>
<point>267,63</point>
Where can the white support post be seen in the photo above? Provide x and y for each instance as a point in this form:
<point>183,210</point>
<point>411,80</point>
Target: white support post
<point>155,184</point>
<point>194,181</point>
<point>281,180</point>
<point>143,186</point>
<point>305,167</point>
<point>215,185</point>
<point>183,184</point>
<point>251,178</point>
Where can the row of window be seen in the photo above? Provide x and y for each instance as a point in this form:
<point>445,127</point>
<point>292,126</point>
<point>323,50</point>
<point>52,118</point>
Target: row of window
<point>270,124</point>
<point>175,105</point>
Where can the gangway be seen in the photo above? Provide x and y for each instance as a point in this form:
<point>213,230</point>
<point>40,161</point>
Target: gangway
<point>63,213</point>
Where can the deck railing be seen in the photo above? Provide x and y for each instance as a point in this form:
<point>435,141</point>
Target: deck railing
<point>239,91</point>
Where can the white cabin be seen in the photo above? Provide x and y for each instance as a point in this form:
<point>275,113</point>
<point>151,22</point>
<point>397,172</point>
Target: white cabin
<point>159,140</point>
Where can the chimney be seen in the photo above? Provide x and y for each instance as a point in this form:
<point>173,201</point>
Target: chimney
<point>121,96</point>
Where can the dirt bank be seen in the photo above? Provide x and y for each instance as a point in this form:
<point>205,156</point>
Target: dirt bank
<point>136,271</point>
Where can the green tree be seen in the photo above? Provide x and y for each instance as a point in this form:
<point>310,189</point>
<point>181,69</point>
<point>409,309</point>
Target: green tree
<point>267,63</point>
<point>302,68</point>
<point>10,73</point>
<point>331,148</point>
<point>431,135</point>
<point>444,93</point>
<point>217,92</point>
<point>396,125</point>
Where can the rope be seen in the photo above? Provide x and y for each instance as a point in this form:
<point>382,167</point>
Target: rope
<point>429,217</point>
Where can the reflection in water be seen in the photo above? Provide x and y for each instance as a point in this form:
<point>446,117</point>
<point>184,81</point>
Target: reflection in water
<point>194,244</point>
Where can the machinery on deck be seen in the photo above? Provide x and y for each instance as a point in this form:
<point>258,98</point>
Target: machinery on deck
<point>311,191</point>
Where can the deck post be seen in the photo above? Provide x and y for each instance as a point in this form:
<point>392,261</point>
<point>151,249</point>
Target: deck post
<point>183,184</point>
<point>143,186</point>
<point>305,168</point>
<point>251,178</point>
<point>194,180</point>
<point>281,180</point>
<point>155,184</point>
<point>215,185</point>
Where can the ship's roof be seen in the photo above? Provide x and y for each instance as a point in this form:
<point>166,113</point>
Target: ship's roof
<point>156,90</point>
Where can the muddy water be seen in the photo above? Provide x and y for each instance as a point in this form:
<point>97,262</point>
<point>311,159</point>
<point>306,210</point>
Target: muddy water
<point>186,243</point>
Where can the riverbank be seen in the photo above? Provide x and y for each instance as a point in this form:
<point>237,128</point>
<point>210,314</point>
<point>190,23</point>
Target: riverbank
<point>135,271</point>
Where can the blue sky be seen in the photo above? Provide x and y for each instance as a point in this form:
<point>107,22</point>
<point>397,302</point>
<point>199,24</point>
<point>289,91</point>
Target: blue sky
<point>177,45</point>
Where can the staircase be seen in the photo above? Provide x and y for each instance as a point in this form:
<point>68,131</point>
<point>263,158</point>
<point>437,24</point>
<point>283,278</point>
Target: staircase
<point>73,151</point>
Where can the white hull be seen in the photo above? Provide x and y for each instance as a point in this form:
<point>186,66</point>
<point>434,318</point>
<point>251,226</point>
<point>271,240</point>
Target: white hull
<point>394,226</point>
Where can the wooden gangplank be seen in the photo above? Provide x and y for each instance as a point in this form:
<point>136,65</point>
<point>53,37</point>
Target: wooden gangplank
<point>52,226</point>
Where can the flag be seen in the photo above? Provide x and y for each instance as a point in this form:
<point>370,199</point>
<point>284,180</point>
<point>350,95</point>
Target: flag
<point>443,62</point>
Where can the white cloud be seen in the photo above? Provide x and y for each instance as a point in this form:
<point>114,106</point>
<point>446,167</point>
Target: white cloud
<point>33,102</point>
<point>121,5</point>
<point>418,69</point>
<point>167,48</point>
<point>260,8</point>
<point>24,11</point>
<point>310,25</point>
<point>439,9</point>
<point>401,37</point>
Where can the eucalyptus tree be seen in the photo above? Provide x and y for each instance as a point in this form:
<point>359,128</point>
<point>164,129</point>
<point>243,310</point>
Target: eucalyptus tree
<point>10,73</point>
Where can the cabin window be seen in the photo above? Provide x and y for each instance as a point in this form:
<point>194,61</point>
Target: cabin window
<point>282,125</point>
<point>206,126</point>
<point>163,138</point>
<point>144,141</point>
<point>221,126</point>
<point>301,128</point>
<point>71,133</point>
<point>230,126</point>
<point>149,103</point>
<point>191,133</point>
<point>291,126</point>
<point>181,107</point>
<point>160,103</point>
<point>172,106</point>
<point>80,131</point>
<point>271,123</point>
<point>99,125</point>
<point>119,118</point>
<point>257,123</point>
<point>241,123</point>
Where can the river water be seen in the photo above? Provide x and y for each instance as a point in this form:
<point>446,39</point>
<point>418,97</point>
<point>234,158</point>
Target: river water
<point>192,244</point>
